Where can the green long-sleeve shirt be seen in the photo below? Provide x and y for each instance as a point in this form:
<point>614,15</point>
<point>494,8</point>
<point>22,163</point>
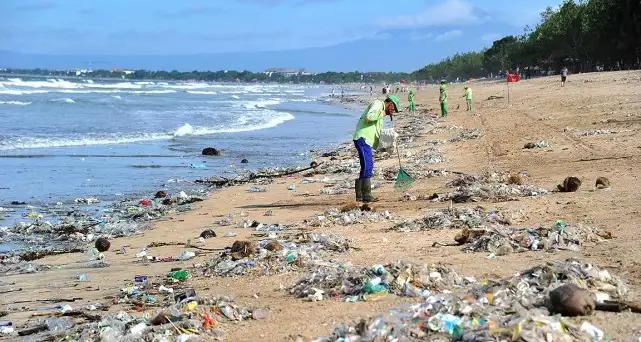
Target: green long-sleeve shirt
<point>370,124</point>
<point>468,94</point>
<point>443,93</point>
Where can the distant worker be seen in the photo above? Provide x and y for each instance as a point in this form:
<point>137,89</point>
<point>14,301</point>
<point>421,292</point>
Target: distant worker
<point>468,98</point>
<point>443,97</point>
<point>564,76</point>
<point>366,137</point>
<point>410,99</point>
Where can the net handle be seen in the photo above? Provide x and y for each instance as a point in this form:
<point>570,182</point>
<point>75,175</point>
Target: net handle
<point>398,154</point>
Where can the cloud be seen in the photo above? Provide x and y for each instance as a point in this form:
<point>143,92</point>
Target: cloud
<point>421,35</point>
<point>449,35</point>
<point>450,12</point>
<point>490,37</point>
<point>35,5</point>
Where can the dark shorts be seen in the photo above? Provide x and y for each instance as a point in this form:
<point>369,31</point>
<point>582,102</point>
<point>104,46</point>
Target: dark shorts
<point>563,78</point>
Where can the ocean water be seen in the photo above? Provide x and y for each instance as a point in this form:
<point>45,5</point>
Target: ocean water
<point>63,139</point>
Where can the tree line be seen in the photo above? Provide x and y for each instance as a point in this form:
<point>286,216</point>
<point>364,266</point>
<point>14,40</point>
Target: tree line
<point>583,35</point>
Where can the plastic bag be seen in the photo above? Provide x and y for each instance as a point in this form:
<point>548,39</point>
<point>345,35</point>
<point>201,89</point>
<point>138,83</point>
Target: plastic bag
<point>387,140</point>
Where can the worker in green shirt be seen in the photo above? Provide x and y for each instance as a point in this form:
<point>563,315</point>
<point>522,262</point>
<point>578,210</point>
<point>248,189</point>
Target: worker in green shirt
<point>468,98</point>
<point>410,99</point>
<point>443,98</point>
<point>366,137</point>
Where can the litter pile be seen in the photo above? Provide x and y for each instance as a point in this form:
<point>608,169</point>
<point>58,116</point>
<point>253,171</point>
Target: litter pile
<point>190,319</point>
<point>538,144</point>
<point>71,227</point>
<point>335,216</point>
<point>417,171</point>
<point>512,309</point>
<point>351,284</point>
<point>468,134</point>
<point>453,218</point>
<point>493,186</point>
<point>272,256</point>
<point>502,240</point>
<point>423,157</point>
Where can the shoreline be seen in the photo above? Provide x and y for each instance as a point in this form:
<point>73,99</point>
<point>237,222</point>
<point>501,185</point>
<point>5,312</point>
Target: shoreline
<point>106,211</point>
<point>497,148</point>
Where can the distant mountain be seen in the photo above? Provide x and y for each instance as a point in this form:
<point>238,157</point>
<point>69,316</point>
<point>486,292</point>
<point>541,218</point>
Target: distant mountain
<point>385,54</point>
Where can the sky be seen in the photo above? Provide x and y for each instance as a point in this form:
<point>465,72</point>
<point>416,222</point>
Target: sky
<point>320,35</point>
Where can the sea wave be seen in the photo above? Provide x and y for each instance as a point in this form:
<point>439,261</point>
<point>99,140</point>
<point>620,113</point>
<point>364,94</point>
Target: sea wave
<point>261,103</point>
<point>17,103</point>
<point>243,124</point>
<point>63,100</point>
<point>202,92</point>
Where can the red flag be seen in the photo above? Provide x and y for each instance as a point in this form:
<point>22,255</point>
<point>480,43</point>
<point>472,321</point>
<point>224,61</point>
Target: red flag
<point>513,77</point>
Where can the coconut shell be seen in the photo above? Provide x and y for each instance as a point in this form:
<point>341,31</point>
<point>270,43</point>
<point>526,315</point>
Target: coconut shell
<point>570,184</point>
<point>207,233</point>
<point>273,246</point>
<point>571,300</point>
<point>602,183</point>
<point>102,244</point>
<point>242,249</point>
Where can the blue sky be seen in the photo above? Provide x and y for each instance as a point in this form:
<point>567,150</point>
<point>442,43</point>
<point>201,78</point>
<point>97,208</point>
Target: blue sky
<point>363,35</point>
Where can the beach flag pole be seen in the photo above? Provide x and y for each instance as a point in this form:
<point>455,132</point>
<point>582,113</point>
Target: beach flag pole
<point>508,91</point>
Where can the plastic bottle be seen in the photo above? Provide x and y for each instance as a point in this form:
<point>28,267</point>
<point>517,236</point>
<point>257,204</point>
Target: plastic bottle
<point>179,275</point>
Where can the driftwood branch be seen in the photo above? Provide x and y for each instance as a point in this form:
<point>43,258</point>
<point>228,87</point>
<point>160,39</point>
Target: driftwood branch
<point>253,176</point>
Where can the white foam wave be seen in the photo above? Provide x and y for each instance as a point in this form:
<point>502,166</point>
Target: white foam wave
<point>243,124</point>
<point>202,92</point>
<point>17,103</point>
<point>184,130</point>
<point>235,97</point>
<point>63,100</point>
<point>117,97</point>
<point>50,83</point>
<point>21,92</point>
<point>261,104</point>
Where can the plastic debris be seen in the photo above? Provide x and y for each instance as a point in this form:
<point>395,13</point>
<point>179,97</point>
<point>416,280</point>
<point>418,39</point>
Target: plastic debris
<point>511,309</point>
<point>351,283</point>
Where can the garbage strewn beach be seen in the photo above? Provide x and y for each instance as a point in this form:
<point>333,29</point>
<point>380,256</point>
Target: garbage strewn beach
<point>492,241</point>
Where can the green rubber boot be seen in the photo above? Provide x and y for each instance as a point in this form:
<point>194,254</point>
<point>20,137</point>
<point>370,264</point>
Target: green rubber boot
<point>358,188</point>
<point>366,186</point>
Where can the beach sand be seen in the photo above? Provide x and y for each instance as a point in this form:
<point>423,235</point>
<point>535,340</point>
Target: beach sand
<point>539,110</point>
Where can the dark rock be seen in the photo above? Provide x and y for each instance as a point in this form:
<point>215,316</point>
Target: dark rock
<point>207,233</point>
<point>313,164</point>
<point>529,145</point>
<point>602,183</point>
<point>18,203</point>
<point>329,154</point>
<point>102,244</point>
<point>570,184</point>
<point>210,151</point>
<point>244,161</point>
<point>571,300</point>
<point>167,201</point>
<point>160,194</point>
<point>433,197</point>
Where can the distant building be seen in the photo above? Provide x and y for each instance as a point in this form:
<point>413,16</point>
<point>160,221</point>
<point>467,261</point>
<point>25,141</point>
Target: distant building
<point>287,72</point>
<point>81,72</point>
